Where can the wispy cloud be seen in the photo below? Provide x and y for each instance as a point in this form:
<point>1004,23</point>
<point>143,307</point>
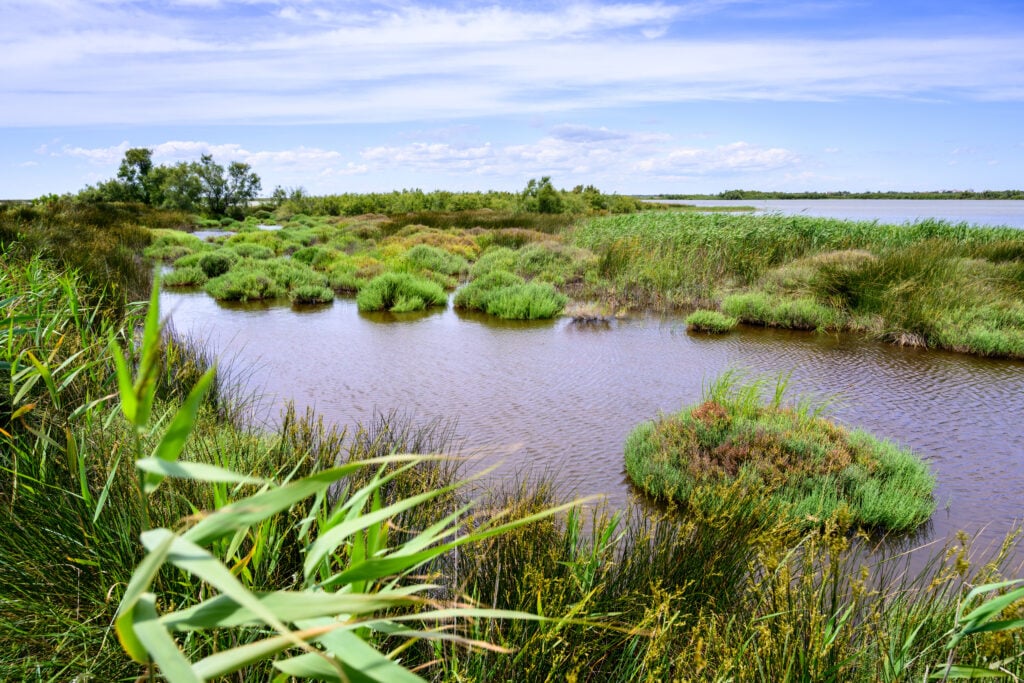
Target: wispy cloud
<point>115,63</point>
<point>594,154</point>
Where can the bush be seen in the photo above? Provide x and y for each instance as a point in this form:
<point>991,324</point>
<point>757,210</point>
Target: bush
<point>711,322</point>
<point>400,292</point>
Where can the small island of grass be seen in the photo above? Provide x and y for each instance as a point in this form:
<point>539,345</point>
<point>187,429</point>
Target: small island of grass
<point>799,463</point>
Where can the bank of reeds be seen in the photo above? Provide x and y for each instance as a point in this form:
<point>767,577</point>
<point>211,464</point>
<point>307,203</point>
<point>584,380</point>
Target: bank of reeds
<point>929,283</point>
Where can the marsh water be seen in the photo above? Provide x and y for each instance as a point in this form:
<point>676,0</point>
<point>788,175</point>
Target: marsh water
<point>988,212</point>
<point>560,398</point>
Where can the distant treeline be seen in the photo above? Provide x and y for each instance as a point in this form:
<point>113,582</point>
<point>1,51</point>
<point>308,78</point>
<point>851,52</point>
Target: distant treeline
<point>537,197</point>
<point>938,194</point>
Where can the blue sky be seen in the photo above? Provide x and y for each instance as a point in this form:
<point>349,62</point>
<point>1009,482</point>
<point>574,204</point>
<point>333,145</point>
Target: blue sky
<point>633,97</point>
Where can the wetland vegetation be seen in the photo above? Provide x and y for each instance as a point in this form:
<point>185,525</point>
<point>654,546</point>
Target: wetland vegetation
<point>718,590</point>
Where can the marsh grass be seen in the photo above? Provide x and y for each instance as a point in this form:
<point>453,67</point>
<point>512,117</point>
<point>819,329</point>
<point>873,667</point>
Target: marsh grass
<point>808,469</point>
<point>400,292</point>
<point>710,322</point>
<point>928,283</point>
<point>504,295</point>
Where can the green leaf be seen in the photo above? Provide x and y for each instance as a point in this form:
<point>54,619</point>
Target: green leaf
<point>139,584</point>
<point>158,642</point>
<point>196,471</point>
<point>173,441</point>
<point>288,606</point>
<point>129,404</point>
<point>248,511</point>
<point>965,671</point>
<point>360,661</point>
<point>228,661</point>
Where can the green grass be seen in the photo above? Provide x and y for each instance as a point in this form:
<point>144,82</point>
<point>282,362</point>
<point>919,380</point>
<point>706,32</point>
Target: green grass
<point>502,294</point>
<point>710,322</point>
<point>809,469</point>
<point>400,293</point>
<point>928,283</point>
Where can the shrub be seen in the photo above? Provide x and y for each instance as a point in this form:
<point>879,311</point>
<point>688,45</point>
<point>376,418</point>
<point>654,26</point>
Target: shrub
<point>400,292</point>
<point>711,322</point>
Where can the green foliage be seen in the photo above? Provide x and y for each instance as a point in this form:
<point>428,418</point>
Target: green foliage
<point>809,469</point>
<point>311,294</point>
<point>711,322</point>
<point>188,276</point>
<point>505,295</point>
<point>426,257</point>
<point>798,314</point>
<point>186,186</point>
<point>215,263</point>
<point>400,292</point>
<point>244,284</point>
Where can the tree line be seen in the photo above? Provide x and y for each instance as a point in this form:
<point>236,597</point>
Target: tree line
<point>843,194</point>
<point>202,186</point>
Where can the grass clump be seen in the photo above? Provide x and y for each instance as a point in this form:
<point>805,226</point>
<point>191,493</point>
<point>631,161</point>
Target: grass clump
<point>311,294</point>
<point>215,263</point>
<point>244,285</point>
<point>400,293</point>
<point>190,276</point>
<point>508,296</point>
<point>426,257</point>
<point>710,322</point>
<point>758,308</point>
<point>810,469</point>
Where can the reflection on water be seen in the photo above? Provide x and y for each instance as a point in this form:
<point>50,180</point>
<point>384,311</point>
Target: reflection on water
<point>562,398</point>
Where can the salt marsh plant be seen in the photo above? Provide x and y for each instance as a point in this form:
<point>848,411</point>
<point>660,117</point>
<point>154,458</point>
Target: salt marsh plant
<point>710,322</point>
<point>400,292</point>
<point>809,469</point>
<point>502,294</point>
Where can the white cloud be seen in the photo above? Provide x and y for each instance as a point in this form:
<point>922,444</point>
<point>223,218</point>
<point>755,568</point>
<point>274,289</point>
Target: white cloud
<point>653,155</point>
<point>120,63</point>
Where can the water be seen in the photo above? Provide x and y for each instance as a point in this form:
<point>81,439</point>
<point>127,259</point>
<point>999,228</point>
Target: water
<point>1006,212</point>
<point>561,398</point>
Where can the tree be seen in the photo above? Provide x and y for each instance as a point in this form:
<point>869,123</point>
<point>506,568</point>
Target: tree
<point>541,196</point>
<point>215,186</point>
<point>134,174</point>
<point>243,185</point>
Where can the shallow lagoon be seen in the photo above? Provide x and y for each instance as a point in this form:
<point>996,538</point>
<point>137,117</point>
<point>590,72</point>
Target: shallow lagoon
<point>560,398</point>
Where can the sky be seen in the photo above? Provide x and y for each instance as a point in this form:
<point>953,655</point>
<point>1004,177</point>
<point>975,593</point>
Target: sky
<point>632,97</point>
